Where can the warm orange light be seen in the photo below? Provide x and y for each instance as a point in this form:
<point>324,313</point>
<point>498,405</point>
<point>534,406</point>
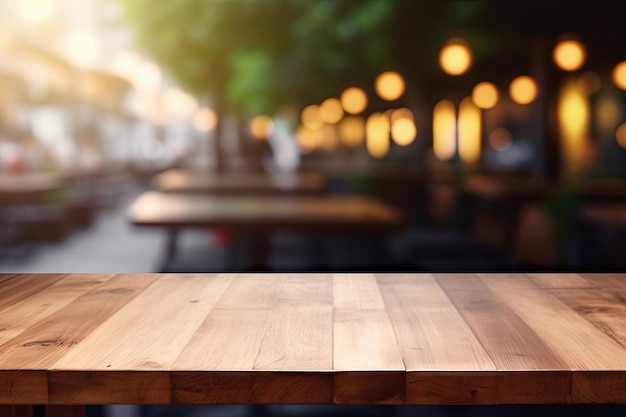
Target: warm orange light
<point>470,129</point>
<point>352,131</point>
<point>329,139</point>
<point>377,135</point>
<point>573,119</point>
<point>205,119</point>
<point>261,127</point>
<point>485,95</point>
<point>444,130</point>
<point>455,58</point>
<point>308,139</point>
<point>354,100</point>
<point>390,85</point>
<point>523,90</point>
<point>311,117</point>
<point>401,113</point>
<point>620,135</point>
<point>619,75</point>
<point>569,55</point>
<point>403,131</point>
<point>331,111</point>
<point>500,139</point>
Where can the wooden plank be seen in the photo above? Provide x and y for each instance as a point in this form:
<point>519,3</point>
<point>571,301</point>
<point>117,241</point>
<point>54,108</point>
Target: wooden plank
<point>556,281</point>
<point>176,305</point>
<point>508,281</point>
<point>519,354</point>
<point>23,387</point>
<point>425,323</point>
<point>607,281</point>
<point>367,360</point>
<point>108,387</point>
<point>296,349</point>
<point>252,292</point>
<point>599,309</point>
<point>599,387</point>
<point>306,289</point>
<point>577,342</point>
<point>20,287</point>
<point>23,314</point>
<point>41,345</point>
<point>356,291</point>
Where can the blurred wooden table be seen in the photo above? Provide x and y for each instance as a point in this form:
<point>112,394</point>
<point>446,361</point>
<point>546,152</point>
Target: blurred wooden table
<point>70,340</point>
<point>186,181</point>
<point>27,188</point>
<point>256,217</point>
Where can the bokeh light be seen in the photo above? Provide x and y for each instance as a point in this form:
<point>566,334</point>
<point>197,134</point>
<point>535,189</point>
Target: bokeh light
<point>469,131</point>
<point>619,75</point>
<point>444,130</point>
<point>205,119</point>
<point>377,135</point>
<point>352,131</point>
<point>500,139</point>
<point>403,131</point>
<point>620,135</point>
<point>523,89</point>
<point>311,117</point>
<point>354,100</point>
<point>308,139</point>
<point>401,113</point>
<point>390,85</point>
<point>329,140</point>
<point>330,111</point>
<point>485,95</point>
<point>569,55</point>
<point>455,58</point>
<point>261,127</point>
<point>573,115</point>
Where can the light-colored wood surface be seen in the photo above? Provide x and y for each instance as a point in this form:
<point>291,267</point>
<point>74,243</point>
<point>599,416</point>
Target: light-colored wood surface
<point>312,338</point>
<point>263,213</point>
<point>186,181</point>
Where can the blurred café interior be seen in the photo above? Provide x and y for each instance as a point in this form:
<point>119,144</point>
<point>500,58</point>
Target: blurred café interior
<point>286,135</point>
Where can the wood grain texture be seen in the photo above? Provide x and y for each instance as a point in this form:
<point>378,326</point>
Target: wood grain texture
<point>311,339</point>
<point>561,281</point>
<point>578,343</point>
<point>175,304</point>
<point>366,355</point>
<point>425,322</point>
<point>50,339</point>
<point>21,315</point>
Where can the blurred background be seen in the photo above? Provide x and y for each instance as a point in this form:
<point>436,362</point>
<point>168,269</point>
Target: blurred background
<point>492,134</point>
<point>497,132</point>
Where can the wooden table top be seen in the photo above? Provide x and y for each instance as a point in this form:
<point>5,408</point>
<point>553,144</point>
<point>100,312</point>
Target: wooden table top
<point>305,213</point>
<point>313,338</point>
<point>186,181</point>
